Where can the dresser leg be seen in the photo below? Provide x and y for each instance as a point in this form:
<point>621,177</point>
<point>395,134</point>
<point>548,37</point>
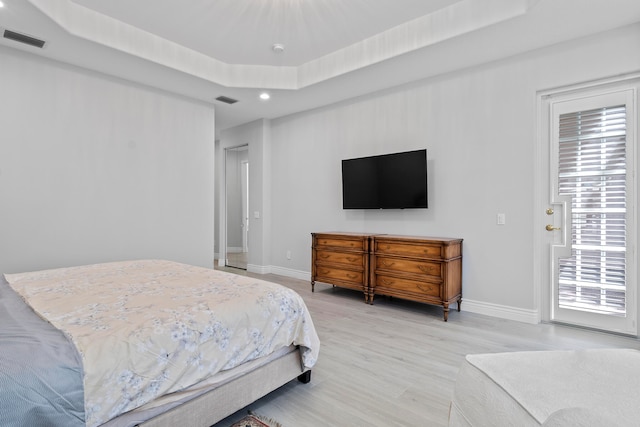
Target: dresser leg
<point>459,304</point>
<point>313,285</point>
<point>368,297</point>
<point>446,312</point>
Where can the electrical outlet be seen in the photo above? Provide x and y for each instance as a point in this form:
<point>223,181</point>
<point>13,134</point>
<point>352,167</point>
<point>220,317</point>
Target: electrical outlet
<point>501,219</point>
<point>288,254</point>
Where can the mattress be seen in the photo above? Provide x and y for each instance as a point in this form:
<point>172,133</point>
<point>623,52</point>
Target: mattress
<point>548,388</point>
<point>138,331</point>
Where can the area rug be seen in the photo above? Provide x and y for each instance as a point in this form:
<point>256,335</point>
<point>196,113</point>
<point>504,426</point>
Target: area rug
<point>253,420</point>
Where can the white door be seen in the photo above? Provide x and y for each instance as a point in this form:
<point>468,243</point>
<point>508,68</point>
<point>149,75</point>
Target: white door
<point>245,206</point>
<point>590,218</point>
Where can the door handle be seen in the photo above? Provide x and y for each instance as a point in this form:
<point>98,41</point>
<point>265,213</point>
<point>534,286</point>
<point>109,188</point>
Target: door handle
<point>550,227</point>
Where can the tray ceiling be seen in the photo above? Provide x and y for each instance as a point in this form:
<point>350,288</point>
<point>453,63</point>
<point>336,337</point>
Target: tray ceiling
<point>333,49</point>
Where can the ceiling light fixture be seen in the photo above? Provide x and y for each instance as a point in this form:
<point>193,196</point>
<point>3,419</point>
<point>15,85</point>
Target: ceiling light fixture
<point>278,48</point>
<point>265,96</point>
<point>1,4</point>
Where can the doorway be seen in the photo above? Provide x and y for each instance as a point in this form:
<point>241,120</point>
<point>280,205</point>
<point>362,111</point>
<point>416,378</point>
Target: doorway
<point>588,218</point>
<point>237,206</point>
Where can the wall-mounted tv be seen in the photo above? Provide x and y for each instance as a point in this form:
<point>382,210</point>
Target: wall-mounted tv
<point>389,181</point>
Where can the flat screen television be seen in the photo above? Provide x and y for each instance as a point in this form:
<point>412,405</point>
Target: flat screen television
<point>389,181</point>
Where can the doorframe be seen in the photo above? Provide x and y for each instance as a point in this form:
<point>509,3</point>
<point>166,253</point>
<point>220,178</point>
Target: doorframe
<point>222,212</point>
<point>222,225</point>
<point>244,166</point>
<point>542,274</point>
<point>222,257</point>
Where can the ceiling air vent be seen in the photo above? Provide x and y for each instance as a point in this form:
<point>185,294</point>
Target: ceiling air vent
<point>226,100</point>
<point>23,38</point>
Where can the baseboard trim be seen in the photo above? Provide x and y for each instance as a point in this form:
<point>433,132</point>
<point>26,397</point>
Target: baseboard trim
<point>258,269</point>
<point>289,272</point>
<point>478,307</point>
<point>501,311</point>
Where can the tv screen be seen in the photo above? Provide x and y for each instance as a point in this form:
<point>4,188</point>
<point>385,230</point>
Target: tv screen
<point>389,181</point>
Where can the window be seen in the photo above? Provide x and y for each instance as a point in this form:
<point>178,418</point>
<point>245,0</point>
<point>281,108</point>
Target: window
<point>592,171</point>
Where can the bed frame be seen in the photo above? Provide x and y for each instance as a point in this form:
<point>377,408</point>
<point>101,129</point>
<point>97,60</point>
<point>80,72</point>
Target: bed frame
<point>217,404</point>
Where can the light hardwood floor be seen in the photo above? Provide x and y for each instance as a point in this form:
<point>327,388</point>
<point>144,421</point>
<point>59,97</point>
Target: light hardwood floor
<point>237,260</point>
<point>395,363</point>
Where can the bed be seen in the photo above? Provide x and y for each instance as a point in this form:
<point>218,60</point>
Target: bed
<point>595,387</point>
<point>150,342</point>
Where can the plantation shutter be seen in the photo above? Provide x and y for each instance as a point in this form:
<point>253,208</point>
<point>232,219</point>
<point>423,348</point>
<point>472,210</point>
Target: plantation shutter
<point>592,172</point>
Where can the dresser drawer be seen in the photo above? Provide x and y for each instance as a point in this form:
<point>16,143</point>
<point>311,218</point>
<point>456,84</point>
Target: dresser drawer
<point>429,268</point>
<point>356,260</point>
<point>408,249</point>
<point>401,286</point>
<point>346,243</point>
<point>329,273</point>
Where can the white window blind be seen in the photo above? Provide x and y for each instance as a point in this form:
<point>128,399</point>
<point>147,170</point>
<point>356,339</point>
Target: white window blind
<point>592,171</point>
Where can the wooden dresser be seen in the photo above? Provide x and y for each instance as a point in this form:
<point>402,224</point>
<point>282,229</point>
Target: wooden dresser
<point>417,268</point>
<point>341,259</point>
<point>421,269</point>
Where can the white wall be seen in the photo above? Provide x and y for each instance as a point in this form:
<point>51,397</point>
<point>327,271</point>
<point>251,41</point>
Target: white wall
<point>479,127</point>
<point>96,169</point>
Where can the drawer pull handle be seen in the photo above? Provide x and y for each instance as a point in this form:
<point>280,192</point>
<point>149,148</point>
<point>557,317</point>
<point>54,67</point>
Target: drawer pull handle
<point>425,288</point>
<point>352,276</point>
<point>325,271</point>
<point>387,282</point>
<point>352,259</point>
<point>425,268</point>
<point>324,256</point>
<point>387,264</point>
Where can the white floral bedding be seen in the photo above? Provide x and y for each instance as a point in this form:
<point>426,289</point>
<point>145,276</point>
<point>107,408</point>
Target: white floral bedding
<point>148,328</point>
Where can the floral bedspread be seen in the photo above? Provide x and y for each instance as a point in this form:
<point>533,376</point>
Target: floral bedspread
<point>148,328</point>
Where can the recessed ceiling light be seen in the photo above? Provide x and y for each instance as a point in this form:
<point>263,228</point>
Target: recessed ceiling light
<point>265,96</point>
<point>278,48</point>
<point>1,4</point>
